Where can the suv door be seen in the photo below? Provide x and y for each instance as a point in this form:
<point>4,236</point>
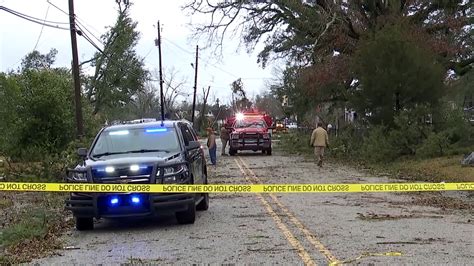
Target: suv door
<point>195,156</point>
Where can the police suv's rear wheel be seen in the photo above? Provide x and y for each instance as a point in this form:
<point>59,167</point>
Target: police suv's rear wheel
<point>232,152</point>
<point>188,216</point>
<point>269,151</point>
<point>83,224</point>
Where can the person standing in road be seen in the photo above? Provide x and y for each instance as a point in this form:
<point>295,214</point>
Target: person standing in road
<point>211,145</point>
<point>319,140</point>
<point>224,138</point>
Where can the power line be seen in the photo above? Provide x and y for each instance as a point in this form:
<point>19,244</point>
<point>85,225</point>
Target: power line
<point>78,20</point>
<point>32,19</point>
<point>42,27</point>
<point>84,34</point>
<point>55,6</point>
<point>85,28</point>
<point>35,18</point>
<point>206,61</point>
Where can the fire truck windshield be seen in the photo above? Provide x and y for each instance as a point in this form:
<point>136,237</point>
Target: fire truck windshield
<point>249,124</point>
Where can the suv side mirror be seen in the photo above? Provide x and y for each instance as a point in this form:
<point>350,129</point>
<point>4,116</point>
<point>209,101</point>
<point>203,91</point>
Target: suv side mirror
<point>193,145</point>
<point>82,152</point>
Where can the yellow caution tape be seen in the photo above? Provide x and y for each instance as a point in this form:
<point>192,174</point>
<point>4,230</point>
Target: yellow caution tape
<point>237,188</point>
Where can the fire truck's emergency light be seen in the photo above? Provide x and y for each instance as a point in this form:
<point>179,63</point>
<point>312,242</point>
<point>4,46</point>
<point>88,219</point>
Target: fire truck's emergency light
<point>239,116</point>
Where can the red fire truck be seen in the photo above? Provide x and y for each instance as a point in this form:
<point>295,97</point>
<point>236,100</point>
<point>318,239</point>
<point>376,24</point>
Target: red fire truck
<point>250,131</point>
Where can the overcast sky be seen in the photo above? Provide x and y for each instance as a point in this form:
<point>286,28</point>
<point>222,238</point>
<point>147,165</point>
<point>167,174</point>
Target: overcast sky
<point>19,37</point>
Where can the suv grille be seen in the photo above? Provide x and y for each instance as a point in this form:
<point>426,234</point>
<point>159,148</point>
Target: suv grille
<point>123,175</point>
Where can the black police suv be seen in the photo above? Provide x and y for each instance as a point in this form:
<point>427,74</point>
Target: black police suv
<point>140,153</point>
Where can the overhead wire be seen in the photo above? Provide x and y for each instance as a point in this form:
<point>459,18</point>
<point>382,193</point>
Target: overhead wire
<point>205,60</point>
<point>79,21</point>
<point>34,19</point>
<point>42,27</point>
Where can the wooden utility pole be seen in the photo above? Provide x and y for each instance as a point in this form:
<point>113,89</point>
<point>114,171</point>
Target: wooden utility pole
<point>162,100</point>
<point>195,85</point>
<point>75,72</point>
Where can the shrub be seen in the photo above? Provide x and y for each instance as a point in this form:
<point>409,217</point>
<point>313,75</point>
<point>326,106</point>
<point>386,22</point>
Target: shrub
<point>435,145</point>
<point>377,147</point>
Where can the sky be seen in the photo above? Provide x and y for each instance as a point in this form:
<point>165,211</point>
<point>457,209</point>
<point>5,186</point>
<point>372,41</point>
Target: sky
<point>19,37</point>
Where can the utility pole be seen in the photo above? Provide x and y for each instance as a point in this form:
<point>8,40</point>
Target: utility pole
<point>195,85</point>
<point>162,101</point>
<point>75,72</point>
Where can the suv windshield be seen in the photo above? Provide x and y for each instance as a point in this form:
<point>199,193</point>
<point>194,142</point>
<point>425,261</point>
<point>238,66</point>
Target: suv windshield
<point>136,140</point>
<point>247,124</point>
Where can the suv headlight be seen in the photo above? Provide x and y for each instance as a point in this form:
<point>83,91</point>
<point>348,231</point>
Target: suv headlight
<point>77,176</point>
<point>235,136</point>
<point>266,136</point>
<point>173,174</point>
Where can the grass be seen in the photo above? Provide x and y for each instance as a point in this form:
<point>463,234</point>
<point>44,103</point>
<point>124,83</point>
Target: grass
<point>32,226</point>
<point>447,168</point>
<point>5,203</point>
<point>439,169</point>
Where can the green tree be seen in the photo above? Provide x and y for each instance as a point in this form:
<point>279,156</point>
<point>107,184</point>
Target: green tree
<point>270,104</point>
<point>395,73</point>
<point>9,97</point>
<point>119,71</point>
<point>38,111</point>
<point>36,60</point>
<point>309,31</point>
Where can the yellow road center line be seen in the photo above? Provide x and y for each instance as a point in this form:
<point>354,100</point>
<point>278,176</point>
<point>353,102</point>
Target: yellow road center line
<point>309,236</point>
<point>307,260</point>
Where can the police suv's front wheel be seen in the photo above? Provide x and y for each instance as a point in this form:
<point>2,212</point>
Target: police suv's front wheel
<point>204,203</point>
<point>188,216</point>
<point>83,224</point>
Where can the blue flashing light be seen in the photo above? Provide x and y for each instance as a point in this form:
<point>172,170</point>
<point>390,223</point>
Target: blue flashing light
<point>114,201</point>
<point>135,199</point>
<point>155,130</point>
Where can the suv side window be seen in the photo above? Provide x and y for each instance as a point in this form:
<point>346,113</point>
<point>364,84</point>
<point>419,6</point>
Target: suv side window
<point>193,132</point>
<point>187,134</point>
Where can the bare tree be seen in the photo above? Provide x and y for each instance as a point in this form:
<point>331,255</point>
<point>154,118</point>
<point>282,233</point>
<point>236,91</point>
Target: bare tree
<point>173,88</point>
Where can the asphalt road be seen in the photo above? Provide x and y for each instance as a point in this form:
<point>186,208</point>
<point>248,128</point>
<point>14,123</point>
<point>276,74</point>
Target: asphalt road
<point>313,229</point>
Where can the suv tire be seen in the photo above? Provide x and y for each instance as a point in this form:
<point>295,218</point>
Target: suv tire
<point>204,204</point>
<point>232,152</point>
<point>84,223</point>
<point>188,216</point>
<point>269,151</point>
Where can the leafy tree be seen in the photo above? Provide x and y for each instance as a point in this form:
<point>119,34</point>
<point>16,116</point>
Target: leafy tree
<point>119,71</point>
<point>396,73</point>
<point>9,97</point>
<point>39,115</point>
<point>308,31</point>
<point>36,60</point>
<point>270,104</point>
